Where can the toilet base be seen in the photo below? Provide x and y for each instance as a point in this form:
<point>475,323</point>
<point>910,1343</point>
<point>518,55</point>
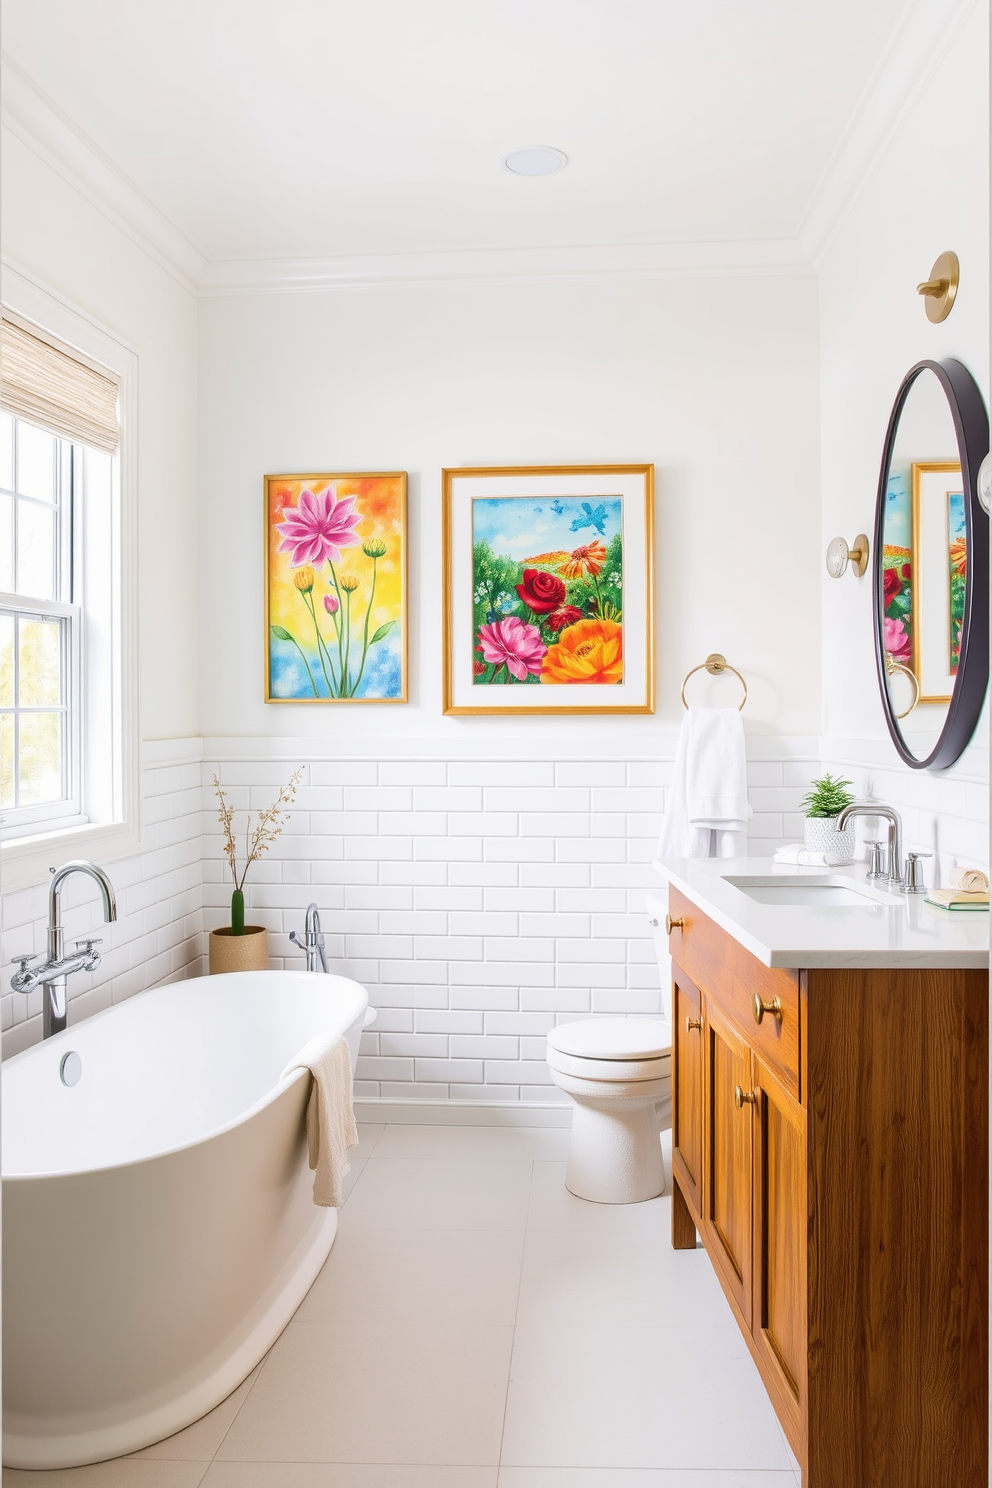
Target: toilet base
<point>615,1152</point>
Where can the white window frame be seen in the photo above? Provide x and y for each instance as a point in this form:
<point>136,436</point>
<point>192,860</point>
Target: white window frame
<point>21,821</point>
<point>106,823</point>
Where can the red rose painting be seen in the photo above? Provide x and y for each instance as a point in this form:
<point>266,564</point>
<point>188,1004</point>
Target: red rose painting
<point>541,592</point>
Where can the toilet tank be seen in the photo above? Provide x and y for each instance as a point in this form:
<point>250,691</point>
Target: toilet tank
<point>657,908</point>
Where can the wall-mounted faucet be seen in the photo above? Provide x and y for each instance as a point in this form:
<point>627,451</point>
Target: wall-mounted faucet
<point>312,944</point>
<point>53,973</point>
<point>890,814</point>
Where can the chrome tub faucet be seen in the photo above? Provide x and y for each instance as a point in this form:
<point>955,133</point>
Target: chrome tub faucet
<point>53,973</point>
<point>312,944</point>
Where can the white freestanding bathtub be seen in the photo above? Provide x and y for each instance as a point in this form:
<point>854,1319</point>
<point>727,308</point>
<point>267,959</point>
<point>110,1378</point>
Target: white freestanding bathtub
<point>158,1223</point>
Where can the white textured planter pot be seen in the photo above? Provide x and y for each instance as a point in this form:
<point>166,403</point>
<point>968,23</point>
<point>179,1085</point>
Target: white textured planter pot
<point>821,835</point>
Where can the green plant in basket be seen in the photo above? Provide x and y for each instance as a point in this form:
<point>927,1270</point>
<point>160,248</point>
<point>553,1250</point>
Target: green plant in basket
<point>828,797</point>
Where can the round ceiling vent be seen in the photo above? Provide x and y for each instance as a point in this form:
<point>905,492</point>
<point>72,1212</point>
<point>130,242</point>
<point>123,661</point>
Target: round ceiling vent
<point>536,160</point>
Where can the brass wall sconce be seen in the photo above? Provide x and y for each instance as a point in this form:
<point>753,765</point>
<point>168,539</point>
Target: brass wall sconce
<point>839,555</point>
<point>941,287</point>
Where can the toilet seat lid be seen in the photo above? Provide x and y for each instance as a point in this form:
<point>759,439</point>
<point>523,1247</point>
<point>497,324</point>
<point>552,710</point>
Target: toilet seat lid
<point>613,1038</point>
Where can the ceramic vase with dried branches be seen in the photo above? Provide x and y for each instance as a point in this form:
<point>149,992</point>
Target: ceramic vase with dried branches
<point>241,947</point>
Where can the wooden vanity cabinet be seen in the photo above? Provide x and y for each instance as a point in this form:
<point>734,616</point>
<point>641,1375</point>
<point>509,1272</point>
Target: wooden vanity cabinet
<point>834,1159</point>
<point>687,1091</point>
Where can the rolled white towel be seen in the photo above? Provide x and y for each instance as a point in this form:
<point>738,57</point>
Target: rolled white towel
<point>804,857</point>
<point>972,880</point>
<point>331,1128</point>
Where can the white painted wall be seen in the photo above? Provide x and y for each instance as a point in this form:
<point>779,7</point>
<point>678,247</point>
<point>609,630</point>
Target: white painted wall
<point>57,236</point>
<point>712,379</point>
<point>927,191</point>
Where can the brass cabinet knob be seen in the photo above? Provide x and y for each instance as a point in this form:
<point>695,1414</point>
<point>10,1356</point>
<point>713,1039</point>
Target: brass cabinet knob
<point>761,1008</point>
<point>744,1098</point>
<point>691,1023</point>
<point>671,924</point>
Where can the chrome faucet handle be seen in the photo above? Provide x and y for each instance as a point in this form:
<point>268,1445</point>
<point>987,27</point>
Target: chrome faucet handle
<point>296,940</point>
<point>877,866</point>
<point>85,947</point>
<point>914,873</point>
<point>23,980</point>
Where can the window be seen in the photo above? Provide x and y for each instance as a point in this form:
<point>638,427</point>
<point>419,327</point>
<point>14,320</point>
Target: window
<point>68,718</point>
<point>40,627</point>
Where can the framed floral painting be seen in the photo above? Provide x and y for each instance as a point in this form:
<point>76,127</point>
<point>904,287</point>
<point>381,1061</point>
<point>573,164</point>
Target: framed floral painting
<point>924,573</point>
<point>549,589</point>
<point>335,593</point>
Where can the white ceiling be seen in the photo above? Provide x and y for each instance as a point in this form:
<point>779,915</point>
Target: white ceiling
<point>289,128</point>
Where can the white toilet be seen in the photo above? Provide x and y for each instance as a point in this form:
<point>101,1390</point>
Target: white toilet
<point>618,1072</point>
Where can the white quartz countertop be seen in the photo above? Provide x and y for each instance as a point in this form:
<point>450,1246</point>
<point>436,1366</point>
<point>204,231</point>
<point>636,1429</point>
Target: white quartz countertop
<point>887,929</point>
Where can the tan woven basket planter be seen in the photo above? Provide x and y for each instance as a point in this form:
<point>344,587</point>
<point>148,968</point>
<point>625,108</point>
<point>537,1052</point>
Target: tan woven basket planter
<point>247,952</point>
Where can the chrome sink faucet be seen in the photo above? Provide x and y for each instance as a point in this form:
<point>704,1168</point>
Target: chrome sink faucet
<point>889,814</point>
<point>312,944</point>
<point>53,973</point>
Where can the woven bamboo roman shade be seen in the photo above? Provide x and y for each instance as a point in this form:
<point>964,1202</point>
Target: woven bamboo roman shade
<point>48,386</point>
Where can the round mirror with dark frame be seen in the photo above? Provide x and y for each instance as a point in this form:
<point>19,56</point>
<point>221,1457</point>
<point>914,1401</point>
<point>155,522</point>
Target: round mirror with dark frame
<point>930,565</point>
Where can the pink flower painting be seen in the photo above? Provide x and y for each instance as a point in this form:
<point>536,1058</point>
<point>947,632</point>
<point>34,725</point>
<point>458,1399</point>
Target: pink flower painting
<point>513,644</point>
<point>896,640</point>
<point>319,527</point>
<point>333,636</point>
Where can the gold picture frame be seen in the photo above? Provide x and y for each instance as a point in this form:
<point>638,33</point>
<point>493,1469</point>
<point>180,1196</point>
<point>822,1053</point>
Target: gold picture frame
<point>934,484</point>
<point>336,613</point>
<point>568,627</point>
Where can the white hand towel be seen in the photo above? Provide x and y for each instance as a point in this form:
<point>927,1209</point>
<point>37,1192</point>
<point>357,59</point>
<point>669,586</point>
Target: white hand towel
<point>805,857</point>
<point>707,810</point>
<point>331,1128</point>
<point>973,880</point>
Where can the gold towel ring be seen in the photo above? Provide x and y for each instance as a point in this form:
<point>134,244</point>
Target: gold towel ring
<point>892,666</point>
<point>715,664</point>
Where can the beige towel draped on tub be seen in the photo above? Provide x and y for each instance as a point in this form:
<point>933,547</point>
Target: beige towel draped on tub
<point>331,1126</point>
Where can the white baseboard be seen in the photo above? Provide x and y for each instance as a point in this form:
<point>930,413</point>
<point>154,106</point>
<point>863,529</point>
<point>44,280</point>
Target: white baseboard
<point>462,1113</point>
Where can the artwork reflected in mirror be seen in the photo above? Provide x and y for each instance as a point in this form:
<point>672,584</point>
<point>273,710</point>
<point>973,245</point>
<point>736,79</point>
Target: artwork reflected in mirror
<point>925,549</point>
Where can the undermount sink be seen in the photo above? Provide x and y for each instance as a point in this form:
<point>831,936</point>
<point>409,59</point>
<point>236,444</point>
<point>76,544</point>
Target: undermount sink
<point>832,891</point>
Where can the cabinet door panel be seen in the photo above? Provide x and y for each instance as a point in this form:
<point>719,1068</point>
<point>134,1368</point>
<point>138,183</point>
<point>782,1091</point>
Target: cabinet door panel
<point>687,1087</point>
<point>727,1214</point>
<point>731,978</point>
<point>778,1319</point>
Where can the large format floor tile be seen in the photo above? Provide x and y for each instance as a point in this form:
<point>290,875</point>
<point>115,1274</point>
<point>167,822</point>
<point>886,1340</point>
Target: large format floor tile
<point>417,1276</point>
<point>639,1477</point>
<point>350,1475</point>
<point>123,1472</point>
<point>475,1143</point>
<point>552,1207</point>
<point>594,1396</point>
<point>368,1393</point>
<point>616,1279</point>
<point>369,1136</point>
<point>395,1193</point>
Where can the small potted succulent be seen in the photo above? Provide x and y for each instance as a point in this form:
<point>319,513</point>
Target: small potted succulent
<point>822,805</point>
<point>241,947</point>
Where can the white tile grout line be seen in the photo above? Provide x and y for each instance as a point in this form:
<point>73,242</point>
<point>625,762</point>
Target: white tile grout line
<point>516,1310</point>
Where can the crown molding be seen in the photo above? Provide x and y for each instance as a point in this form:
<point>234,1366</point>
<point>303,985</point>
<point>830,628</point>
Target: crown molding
<point>40,125</point>
<point>924,35</point>
<point>469,265</point>
<point>926,31</point>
